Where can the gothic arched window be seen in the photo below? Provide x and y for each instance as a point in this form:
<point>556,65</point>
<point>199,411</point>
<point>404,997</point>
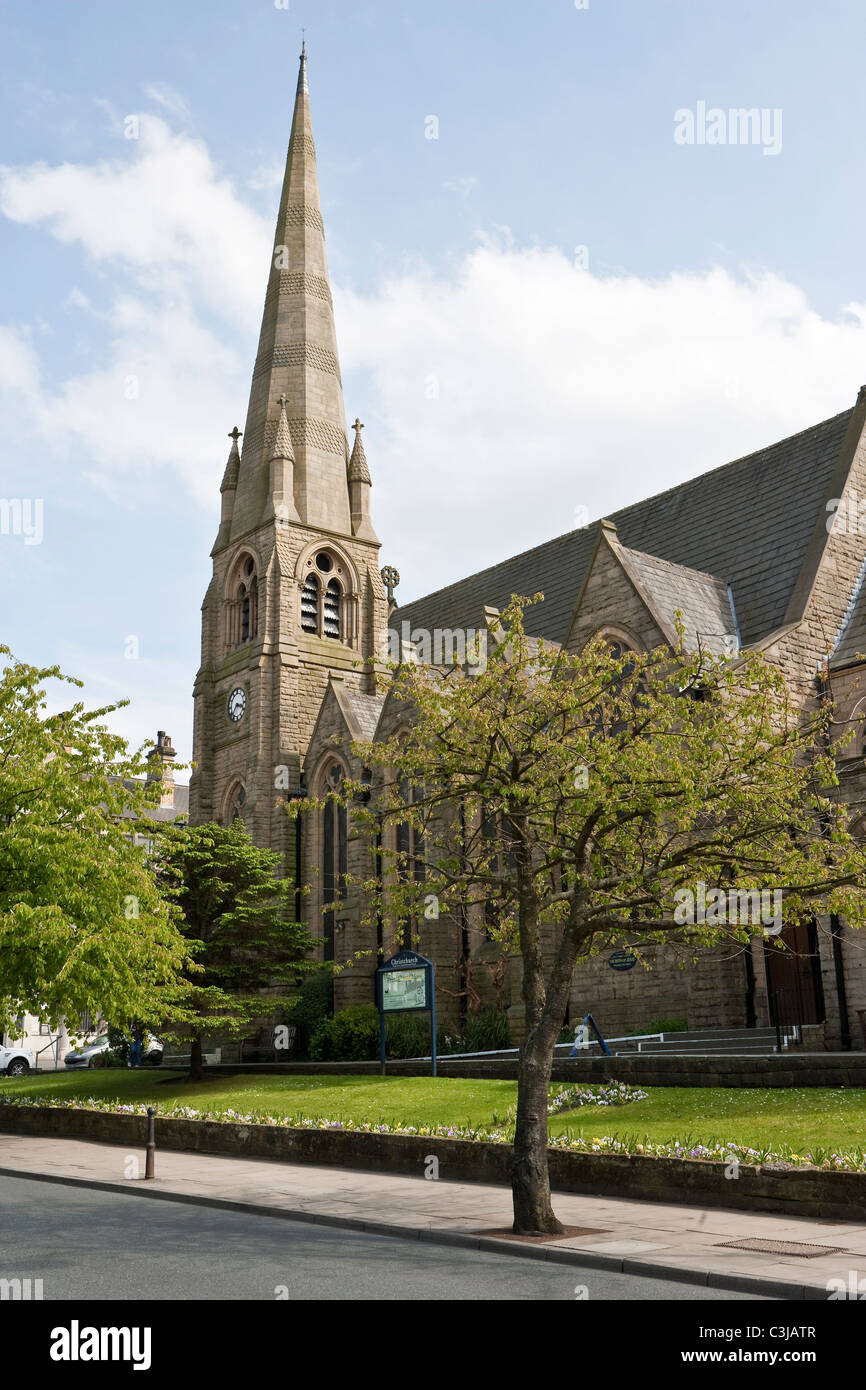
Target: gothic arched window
<point>331,611</point>
<point>242,609</point>
<point>335,841</point>
<point>410,852</point>
<point>324,590</point>
<point>235,803</point>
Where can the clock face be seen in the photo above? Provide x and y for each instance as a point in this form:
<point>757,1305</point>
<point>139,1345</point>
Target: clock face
<point>237,705</point>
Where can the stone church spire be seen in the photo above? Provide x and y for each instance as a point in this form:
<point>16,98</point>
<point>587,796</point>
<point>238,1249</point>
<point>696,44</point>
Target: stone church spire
<point>297,358</point>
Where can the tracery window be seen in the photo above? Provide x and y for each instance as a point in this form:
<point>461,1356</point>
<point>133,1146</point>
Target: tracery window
<point>242,608</point>
<point>410,848</point>
<point>335,841</point>
<point>324,591</point>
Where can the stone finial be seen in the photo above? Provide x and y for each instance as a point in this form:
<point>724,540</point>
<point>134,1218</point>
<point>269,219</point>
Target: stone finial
<point>302,72</point>
<point>358,470</point>
<point>283,442</point>
<point>233,464</point>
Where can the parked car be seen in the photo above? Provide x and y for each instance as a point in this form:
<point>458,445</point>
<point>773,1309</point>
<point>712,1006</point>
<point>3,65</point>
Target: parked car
<point>16,1061</point>
<point>83,1056</point>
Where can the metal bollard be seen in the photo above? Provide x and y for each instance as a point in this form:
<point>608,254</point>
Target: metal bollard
<point>150,1148</point>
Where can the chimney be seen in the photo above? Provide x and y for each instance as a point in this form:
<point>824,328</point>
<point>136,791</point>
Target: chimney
<point>161,758</point>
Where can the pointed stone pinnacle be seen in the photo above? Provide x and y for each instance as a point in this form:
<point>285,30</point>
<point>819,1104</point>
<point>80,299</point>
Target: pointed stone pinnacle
<point>358,470</point>
<point>283,442</point>
<point>233,464</point>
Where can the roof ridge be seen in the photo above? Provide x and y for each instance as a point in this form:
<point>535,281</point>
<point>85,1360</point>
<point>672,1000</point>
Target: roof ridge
<point>641,502</point>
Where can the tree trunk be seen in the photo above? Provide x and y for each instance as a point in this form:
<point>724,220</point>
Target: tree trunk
<point>196,1069</point>
<point>530,1182</point>
<point>544,1011</point>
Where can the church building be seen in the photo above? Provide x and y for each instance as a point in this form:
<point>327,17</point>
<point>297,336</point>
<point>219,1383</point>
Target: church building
<point>767,552</point>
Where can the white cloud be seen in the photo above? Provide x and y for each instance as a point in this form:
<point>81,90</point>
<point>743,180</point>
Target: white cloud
<point>163,212</point>
<point>169,99</point>
<point>499,395</point>
<point>464,185</point>
<point>522,387</point>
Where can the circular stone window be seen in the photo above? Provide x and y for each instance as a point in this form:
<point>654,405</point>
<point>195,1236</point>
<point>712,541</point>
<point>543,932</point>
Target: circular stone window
<point>324,562</point>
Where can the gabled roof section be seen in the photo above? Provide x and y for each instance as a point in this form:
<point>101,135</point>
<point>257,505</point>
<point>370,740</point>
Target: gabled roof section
<point>362,712</point>
<point>750,522</point>
<point>702,599</point>
<point>360,717</point>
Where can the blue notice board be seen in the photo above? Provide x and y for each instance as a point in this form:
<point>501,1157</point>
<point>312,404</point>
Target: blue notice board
<point>406,983</point>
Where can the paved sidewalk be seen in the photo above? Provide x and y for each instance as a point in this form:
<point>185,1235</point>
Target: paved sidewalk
<point>636,1237</point>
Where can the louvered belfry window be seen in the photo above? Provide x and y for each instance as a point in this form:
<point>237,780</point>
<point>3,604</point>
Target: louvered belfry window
<point>332,610</point>
<point>310,604</point>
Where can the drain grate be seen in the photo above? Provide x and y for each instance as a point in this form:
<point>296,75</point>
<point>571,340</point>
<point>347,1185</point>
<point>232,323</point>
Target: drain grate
<point>781,1247</point>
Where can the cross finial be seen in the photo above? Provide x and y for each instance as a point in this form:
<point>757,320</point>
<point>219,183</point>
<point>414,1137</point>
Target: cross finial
<point>392,579</point>
<point>281,401</point>
<point>303,43</point>
<point>235,434</point>
<point>357,427</point>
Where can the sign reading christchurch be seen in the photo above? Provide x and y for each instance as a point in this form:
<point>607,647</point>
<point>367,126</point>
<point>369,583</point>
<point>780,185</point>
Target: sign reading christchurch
<point>404,983</point>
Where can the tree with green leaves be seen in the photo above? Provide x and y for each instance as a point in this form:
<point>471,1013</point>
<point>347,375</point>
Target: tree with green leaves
<point>84,928</point>
<point>237,919</point>
<point>574,801</point>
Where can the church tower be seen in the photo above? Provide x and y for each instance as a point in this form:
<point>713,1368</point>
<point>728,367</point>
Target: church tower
<point>296,600</point>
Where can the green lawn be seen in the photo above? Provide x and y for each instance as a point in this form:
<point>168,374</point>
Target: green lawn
<point>768,1118</point>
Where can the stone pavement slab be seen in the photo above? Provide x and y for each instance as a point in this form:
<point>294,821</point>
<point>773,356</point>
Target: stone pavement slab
<point>651,1237</point>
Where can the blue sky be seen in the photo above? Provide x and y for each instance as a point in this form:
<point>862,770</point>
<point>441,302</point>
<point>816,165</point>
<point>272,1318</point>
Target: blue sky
<point>549,310</point>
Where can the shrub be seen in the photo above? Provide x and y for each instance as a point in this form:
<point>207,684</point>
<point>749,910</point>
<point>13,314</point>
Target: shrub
<point>407,1036</point>
<point>486,1031</point>
<point>352,1035</point>
<point>313,1004</point>
<point>663,1025</point>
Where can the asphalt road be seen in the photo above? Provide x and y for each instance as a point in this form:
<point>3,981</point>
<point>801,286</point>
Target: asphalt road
<point>98,1245</point>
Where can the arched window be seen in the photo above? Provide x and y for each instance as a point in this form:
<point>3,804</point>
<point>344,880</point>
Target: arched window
<point>235,804</point>
<point>324,589</point>
<point>334,851</point>
<point>242,609</point>
<point>331,615</point>
<point>410,853</point>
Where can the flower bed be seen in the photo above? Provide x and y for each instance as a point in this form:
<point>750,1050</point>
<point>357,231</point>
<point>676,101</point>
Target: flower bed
<point>500,1132</point>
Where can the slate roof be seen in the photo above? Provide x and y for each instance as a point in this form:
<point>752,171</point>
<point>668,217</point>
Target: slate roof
<point>366,709</point>
<point>701,598</point>
<point>748,522</point>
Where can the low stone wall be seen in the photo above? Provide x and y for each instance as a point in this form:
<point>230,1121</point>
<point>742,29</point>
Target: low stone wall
<point>800,1191</point>
<point>787,1069</point>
